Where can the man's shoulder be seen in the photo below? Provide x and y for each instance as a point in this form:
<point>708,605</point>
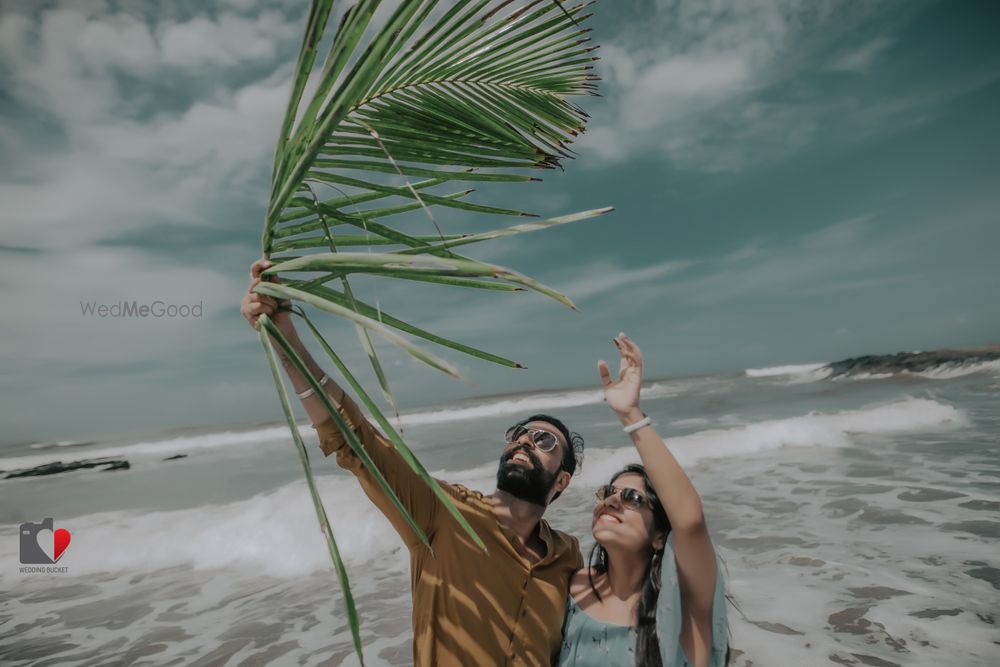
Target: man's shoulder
<point>565,543</point>
<point>566,538</point>
<point>464,494</point>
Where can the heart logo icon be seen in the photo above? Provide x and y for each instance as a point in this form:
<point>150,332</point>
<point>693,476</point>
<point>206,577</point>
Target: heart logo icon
<point>53,543</point>
<point>61,542</point>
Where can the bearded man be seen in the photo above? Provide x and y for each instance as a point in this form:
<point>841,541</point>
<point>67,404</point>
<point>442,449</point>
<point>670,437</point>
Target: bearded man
<point>503,607</point>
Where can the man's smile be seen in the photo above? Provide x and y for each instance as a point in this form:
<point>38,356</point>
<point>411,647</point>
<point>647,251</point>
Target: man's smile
<point>522,457</point>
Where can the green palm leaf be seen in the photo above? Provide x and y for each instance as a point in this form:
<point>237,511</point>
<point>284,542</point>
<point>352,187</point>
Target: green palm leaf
<point>427,97</point>
<point>324,521</point>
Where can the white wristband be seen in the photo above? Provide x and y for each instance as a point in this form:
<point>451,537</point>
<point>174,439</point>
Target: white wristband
<point>645,421</point>
<point>309,392</point>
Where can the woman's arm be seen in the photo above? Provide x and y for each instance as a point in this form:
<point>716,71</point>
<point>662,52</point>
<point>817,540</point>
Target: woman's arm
<point>693,550</point>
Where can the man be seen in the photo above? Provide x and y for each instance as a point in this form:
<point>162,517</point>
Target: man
<point>469,608</point>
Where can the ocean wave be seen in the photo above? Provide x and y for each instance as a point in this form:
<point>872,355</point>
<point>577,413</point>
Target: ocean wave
<point>514,405</point>
<point>957,370</point>
<point>797,373</point>
<point>866,376</point>
<point>836,429</point>
<point>522,404</point>
<point>527,403</point>
<point>277,532</point>
<point>770,371</point>
<point>159,448</point>
<point>61,443</point>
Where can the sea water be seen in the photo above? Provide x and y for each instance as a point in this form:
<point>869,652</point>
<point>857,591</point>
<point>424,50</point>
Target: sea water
<point>859,520</point>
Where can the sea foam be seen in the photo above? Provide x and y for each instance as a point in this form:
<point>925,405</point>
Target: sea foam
<point>795,373</point>
<point>487,407</point>
<point>277,532</point>
<point>956,370</point>
<point>157,448</point>
<point>836,429</point>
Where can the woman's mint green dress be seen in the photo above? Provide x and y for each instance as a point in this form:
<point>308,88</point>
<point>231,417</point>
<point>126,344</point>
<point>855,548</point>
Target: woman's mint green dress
<point>591,643</point>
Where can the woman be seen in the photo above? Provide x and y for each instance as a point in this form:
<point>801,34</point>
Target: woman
<point>653,593</point>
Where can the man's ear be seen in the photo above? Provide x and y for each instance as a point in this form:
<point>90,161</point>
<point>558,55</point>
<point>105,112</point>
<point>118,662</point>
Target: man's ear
<point>562,481</point>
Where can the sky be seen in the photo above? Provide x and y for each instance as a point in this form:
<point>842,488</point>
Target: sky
<point>794,181</point>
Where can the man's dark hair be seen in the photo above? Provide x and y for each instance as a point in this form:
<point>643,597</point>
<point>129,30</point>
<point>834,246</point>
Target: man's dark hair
<point>573,454</point>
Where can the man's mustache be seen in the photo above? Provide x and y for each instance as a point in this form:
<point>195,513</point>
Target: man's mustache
<point>535,461</point>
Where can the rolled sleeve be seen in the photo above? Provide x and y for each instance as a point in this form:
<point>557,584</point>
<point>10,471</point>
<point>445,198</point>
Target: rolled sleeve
<point>413,492</point>
<point>331,439</point>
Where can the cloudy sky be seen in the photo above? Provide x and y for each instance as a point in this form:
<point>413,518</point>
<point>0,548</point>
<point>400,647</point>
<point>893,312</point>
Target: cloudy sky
<point>795,181</point>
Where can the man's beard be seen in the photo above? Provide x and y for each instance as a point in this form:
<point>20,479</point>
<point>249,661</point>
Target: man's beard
<point>529,484</point>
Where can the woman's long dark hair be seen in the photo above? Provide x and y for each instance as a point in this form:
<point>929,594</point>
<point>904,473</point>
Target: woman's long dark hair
<point>647,644</point>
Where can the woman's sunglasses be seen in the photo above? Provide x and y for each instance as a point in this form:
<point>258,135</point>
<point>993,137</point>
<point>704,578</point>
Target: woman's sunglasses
<point>543,440</point>
<point>630,498</point>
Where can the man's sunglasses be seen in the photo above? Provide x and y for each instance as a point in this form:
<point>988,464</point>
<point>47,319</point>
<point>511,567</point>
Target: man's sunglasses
<point>543,440</point>
<point>630,498</point>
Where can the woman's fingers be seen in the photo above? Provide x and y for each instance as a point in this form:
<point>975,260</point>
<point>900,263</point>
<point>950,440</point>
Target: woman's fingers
<point>626,360</point>
<point>604,372</point>
<point>622,347</point>
<point>630,349</point>
<point>627,357</point>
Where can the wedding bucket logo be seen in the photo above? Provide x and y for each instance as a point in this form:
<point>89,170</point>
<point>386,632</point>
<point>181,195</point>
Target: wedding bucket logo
<point>43,546</point>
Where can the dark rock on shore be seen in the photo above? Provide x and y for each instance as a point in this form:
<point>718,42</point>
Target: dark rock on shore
<point>58,467</point>
<point>914,362</point>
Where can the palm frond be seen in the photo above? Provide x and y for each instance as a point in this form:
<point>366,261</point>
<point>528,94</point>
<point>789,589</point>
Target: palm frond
<point>324,521</point>
<point>407,103</point>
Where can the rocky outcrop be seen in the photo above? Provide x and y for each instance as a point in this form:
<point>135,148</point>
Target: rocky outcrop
<point>57,467</point>
<point>914,362</point>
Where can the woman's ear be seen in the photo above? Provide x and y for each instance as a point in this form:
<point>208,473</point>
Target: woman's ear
<point>659,542</point>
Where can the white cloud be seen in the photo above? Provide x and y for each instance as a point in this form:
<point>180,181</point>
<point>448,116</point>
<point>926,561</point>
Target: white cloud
<point>472,313</point>
<point>112,166</point>
<point>718,87</point>
<point>124,120</point>
<point>860,59</point>
<point>686,70</point>
<point>678,86</point>
<point>228,41</point>
<point>845,256</point>
<point>602,276</point>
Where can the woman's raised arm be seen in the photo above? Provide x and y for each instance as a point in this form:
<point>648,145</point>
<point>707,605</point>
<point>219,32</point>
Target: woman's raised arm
<point>693,550</point>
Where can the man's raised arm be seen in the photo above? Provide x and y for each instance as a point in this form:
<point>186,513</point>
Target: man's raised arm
<point>414,494</point>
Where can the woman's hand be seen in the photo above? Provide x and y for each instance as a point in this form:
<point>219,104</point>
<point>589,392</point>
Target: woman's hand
<point>254,305</point>
<point>622,395</point>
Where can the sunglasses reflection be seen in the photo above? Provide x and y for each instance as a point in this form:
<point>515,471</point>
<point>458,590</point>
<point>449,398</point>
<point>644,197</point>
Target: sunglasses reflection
<point>630,498</point>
